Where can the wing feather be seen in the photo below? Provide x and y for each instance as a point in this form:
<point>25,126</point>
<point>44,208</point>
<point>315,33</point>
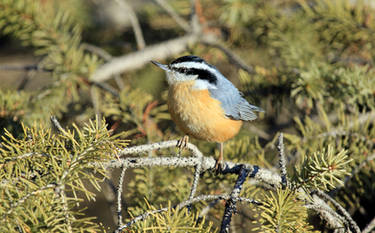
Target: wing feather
<point>234,105</point>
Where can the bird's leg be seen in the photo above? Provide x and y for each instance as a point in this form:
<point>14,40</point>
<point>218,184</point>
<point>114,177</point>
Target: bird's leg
<point>182,143</point>
<point>221,155</point>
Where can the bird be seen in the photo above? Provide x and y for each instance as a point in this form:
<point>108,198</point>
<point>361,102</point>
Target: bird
<point>203,103</point>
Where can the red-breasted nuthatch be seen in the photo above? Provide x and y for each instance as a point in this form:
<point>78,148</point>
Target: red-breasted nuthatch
<point>203,103</point>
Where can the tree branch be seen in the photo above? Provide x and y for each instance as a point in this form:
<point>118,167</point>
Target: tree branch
<point>369,226</point>
<point>119,194</point>
<point>351,223</point>
<point>134,22</point>
<point>184,204</point>
<point>282,161</point>
<point>261,175</point>
<point>233,58</point>
<point>230,206</point>
<point>179,20</point>
<point>132,61</point>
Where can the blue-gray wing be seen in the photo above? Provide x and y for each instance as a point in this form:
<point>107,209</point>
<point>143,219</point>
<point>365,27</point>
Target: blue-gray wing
<point>234,105</point>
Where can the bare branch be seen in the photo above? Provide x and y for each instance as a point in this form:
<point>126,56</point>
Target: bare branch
<point>352,224</point>
<point>97,50</point>
<point>157,146</point>
<point>119,195</point>
<point>179,20</point>
<point>27,155</point>
<point>230,206</point>
<point>132,61</point>
<point>56,123</point>
<point>134,22</point>
<point>369,226</point>
<point>233,58</point>
<point>21,67</point>
<point>282,161</point>
<point>106,56</point>
<point>184,204</point>
<point>65,208</point>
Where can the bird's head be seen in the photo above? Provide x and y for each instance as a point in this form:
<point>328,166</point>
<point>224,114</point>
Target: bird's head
<point>191,68</point>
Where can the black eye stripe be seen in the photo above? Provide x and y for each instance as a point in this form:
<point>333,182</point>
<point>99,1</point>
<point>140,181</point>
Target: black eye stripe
<point>202,74</point>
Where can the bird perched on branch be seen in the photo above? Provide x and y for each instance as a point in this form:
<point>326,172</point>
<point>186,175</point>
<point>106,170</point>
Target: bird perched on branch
<point>203,103</point>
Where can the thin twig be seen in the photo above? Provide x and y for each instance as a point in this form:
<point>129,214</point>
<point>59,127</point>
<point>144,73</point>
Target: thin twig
<point>179,20</point>
<point>352,224</point>
<point>157,146</point>
<point>230,206</point>
<point>22,67</point>
<point>97,50</point>
<point>369,226</point>
<point>119,196</point>
<point>233,58</point>
<point>27,196</point>
<point>197,173</point>
<point>282,161</point>
<point>184,204</point>
<point>95,99</point>
<point>106,56</point>
<point>357,169</point>
<point>27,155</point>
<point>330,216</point>
<point>56,123</point>
<point>134,22</point>
<point>106,87</point>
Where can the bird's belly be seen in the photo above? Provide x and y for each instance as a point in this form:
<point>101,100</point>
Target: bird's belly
<point>199,115</point>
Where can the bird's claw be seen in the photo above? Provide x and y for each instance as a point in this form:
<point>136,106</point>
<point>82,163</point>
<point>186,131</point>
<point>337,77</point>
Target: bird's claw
<point>219,165</point>
<point>182,143</point>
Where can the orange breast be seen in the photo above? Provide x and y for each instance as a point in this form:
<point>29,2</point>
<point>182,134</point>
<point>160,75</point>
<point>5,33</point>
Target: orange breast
<point>199,115</point>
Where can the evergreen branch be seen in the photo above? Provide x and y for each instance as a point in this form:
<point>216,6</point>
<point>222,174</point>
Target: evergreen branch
<point>65,208</point>
<point>351,223</point>
<point>369,226</point>
<point>27,155</point>
<point>184,204</point>
<point>119,195</point>
<point>282,161</point>
<point>230,206</point>
<point>179,20</point>
<point>27,196</point>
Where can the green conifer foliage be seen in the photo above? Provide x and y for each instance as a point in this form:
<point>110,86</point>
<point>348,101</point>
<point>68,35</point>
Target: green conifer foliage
<point>309,65</point>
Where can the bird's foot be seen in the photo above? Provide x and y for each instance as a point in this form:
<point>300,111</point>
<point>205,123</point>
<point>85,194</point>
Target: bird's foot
<point>182,143</point>
<point>219,165</point>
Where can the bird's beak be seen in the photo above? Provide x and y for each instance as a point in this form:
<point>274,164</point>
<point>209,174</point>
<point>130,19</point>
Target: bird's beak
<point>164,67</point>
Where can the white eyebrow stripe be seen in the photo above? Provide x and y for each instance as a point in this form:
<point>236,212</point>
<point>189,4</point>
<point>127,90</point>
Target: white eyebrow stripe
<point>203,85</point>
<point>196,65</point>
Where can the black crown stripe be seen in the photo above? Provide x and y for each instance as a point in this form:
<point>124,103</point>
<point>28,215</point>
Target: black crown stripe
<point>187,59</point>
